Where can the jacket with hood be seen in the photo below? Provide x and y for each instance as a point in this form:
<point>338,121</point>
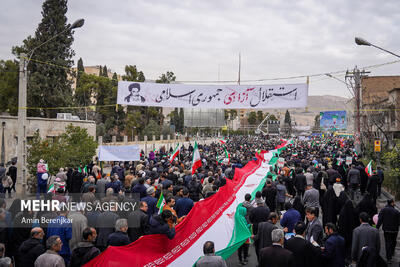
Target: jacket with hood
<point>29,251</point>
<point>158,226</point>
<point>83,253</point>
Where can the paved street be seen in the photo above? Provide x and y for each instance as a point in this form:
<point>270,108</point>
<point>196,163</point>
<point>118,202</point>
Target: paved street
<point>381,202</point>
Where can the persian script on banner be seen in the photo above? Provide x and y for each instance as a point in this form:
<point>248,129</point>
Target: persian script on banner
<point>213,96</point>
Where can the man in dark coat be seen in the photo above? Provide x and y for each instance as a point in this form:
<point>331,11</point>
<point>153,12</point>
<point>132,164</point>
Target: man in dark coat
<point>258,215</point>
<point>76,184</point>
<point>300,182</point>
<point>367,205</point>
<point>184,204</point>
<point>138,222</point>
<point>106,223</point>
<point>372,186</point>
<point>276,255</point>
<point>381,177</point>
<point>334,250</point>
<point>120,236</point>
<point>85,251</point>
<point>348,221</point>
<point>329,204</point>
<point>364,235</point>
<point>389,217</point>
<point>21,230</point>
<point>139,188</point>
<point>269,193</point>
<point>163,224</point>
<point>314,232</point>
<point>332,175</point>
<point>303,250</point>
<point>151,201</point>
<point>363,177</point>
<point>264,231</point>
<point>31,248</point>
<point>353,179</point>
<point>290,217</point>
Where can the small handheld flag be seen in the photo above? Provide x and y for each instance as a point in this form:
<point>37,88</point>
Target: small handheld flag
<point>160,203</point>
<point>368,169</point>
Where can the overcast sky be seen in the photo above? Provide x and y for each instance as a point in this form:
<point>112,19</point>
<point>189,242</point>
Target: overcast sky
<point>201,39</point>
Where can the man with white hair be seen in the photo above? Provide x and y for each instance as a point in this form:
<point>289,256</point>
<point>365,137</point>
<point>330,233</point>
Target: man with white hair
<point>120,236</point>
<point>276,255</point>
<point>51,258</point>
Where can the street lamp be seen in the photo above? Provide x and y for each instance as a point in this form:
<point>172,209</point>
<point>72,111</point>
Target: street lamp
<point>22,123</point>
<point>361,41</point>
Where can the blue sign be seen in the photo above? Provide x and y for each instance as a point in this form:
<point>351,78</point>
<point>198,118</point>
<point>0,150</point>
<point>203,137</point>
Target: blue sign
<point>333,120</point>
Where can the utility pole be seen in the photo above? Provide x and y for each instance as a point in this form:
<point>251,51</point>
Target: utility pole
<point>355,79</point>
<point>21,147</point>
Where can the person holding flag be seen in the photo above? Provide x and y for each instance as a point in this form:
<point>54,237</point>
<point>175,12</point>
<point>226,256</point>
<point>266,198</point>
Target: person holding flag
<point>163,223</point>
<point>174,154</point>
<point>196,161</point>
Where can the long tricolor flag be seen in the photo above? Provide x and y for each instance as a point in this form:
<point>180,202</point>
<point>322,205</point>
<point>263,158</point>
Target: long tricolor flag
<point>196,161</point>
<point>160,203</point>
<point>174,154</point>
<point>368,169</point>
<point>215,218</point>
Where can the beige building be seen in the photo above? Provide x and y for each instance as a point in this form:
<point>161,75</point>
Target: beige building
<point>94,70</point>
<point>48,128</point>
<point>380,104</point>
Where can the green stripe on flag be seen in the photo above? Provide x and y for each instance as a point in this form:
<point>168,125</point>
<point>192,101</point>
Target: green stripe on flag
<point>241,231</point>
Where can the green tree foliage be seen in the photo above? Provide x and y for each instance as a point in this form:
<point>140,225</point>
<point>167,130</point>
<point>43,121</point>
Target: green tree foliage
<point>79,70</point>
<point>132,74</point>
<point>166,78</point>
<point>252,118</point>
<point>48,85</point>
<point>181,120</point>
<point>272,117</point>
<point>260,116</point>
<point>177,119</point>
<point>105,71</point>
<point>152,128</point>
<point>288,120</point>
<point>102,92</point>
<point>9,87</point>
<point>70,149</point>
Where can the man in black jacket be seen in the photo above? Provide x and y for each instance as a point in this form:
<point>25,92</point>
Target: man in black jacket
<point>31,249</point>
<point>258,215</point>
<point>120,236</point>
<point>302,249</point>
<point>138,222</point>
<point>264,231</point>
<point>389,217</point>
<point>163,224</point>
<point>300,182</point>
<point>85,251</point>
<point>276,255</point>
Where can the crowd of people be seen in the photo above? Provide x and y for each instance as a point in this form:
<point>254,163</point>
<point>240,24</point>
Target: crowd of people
<point>315,197</point>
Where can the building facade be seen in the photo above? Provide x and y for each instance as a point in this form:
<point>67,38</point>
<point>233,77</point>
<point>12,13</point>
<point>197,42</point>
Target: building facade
<point>48,128</point>
<point>380,104</point>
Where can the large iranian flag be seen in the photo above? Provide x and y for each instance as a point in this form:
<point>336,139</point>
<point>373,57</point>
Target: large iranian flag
<point>214,218</point>
<point>196,162</point>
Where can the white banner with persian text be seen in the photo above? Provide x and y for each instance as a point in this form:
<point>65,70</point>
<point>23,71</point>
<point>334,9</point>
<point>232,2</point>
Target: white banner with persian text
<point>119,153</point>
<point>213,96</point>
